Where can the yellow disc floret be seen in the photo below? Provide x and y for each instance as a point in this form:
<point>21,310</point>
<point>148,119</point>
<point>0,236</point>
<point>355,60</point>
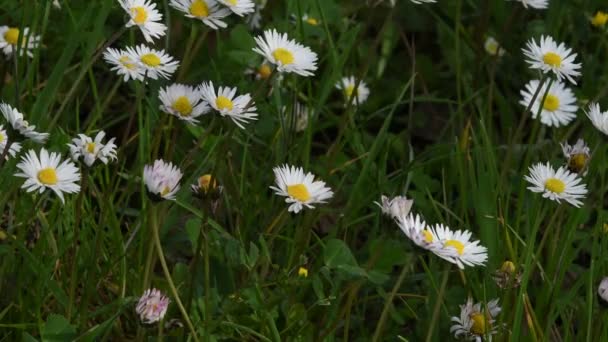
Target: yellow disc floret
<point>285,57</point>
<point>299,192</point>
<point>47,176</point>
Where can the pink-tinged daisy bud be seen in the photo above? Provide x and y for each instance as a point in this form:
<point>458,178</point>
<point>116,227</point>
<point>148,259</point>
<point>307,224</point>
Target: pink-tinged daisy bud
<point>152,306</point>
<point>162,180</point>
<point>396,206</point>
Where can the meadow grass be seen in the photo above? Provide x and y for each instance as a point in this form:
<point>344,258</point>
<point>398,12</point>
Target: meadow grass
<point>442,125</point>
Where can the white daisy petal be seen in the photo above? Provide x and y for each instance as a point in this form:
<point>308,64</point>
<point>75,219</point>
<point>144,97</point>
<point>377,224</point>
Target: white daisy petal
<point>13,149</point>
<point>207,11</point>
<point>125,64</point>
<point>239,7</point>
<point>537,4</point>
<point>300,189</point>
<point>162,179</point>
<point>598,118</point>
<point>19,124</point>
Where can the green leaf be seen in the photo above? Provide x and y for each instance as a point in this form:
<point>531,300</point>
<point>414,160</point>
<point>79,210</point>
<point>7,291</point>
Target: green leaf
<point>57,328</point>
<point>337,253</point>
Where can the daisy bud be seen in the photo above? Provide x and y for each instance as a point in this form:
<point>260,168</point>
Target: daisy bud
<point>152,306</point>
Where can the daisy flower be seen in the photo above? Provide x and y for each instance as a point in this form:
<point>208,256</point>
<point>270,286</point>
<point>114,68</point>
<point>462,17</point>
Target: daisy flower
<point>162,180</point>
<point>19,124</point>
<point>395,207</point>
<point>347,86</point>
<point>548,56</point>
<point>183,101</point>
<point>124,64</point>
<point>458,248</point>
<point>143,14</point>
<point>207,11</point>
<point>559,106</point>
<point>156,63</point>
<point>556,185</point>
<point>13,149</point>
<point>599,19</point>
<point>152,306</point>
<point>11,36</point>
<point>241,109</point>
<point>262,72</point>
<point>310,20</point>
<point>602,289</point>
<point>300,189</point>
<point>239,7</point>
<point>598,118</point>
<point>287,55</point>
<point>578,156</point>
<point>91,150</point>
<point>476,321</point>
<point>417,230</point>
<point>48,172</point>
<point>493,48</point>
<point>203,184</point>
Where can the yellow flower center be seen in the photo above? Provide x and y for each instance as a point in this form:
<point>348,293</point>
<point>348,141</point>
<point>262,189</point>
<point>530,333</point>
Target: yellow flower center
<point>182,106</point>
<point>551,103</point>
<point>1,137</point>
<point>312,21</point>
<point>349,90</point>
<point>284,56</point>
<point>428,237</point>
<point>552,59</point>
<point>299,192</point>
<point>199,9</point>
<point>303,272</point>
<point>165,191</point>
<point>139,15</point>
<point>599,19</point>
<point>577,161</point>
<point>233,2</point>
<point>12,36</point>
<point>456,244</point>
<point>47,176</point>
<point>555,185</point>
<point>150,59</point>
<point>479,323</point>
<point>264,71</point>
<point>492,48</point>
<point>204,182</point>
<point>223,103</point>
<point>91,147</point>
<point>507,267</point>
<point>127,62</point>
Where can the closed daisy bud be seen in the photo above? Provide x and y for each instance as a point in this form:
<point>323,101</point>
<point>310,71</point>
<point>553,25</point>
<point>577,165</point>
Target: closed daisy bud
<point>556,185</point>
<point>184,102</point>
<point>91,150</point>
<point>548,56</point>
<point>557,109</point>
<point>206,185</point>
<point>10,37</point>
<point>598,118</point>
<point>162,180</point>
<point>299,188</point>
<point>288,55</point>
<point>476,321</point>
<point>493,48</point>
<point>396,206</point>
<point>13,149</point>
<point>143,14</point>
<point>152,306</point>
<point>507,276</point>
<point>19,124</point>
<point>599,19</point>
<point>578,156</point>
<point>207,11</point>
<point>303,272</point>
<point>349,88</point>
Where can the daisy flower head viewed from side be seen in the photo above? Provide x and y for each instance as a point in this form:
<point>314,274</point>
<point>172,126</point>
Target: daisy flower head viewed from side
<point>560,185</point>
<point>288,55</point>
<point>349,87</point>
<point>239,7</point>
<point>13,149</point>
<point>207,11</point>
<point>493,48</point>
<point>577,156</point>
<point>417,230</point>
<point>557,109</point>
<point>598,118</point>
<point>476,321</point>
<point>395,207</point>
<point>241,109</point>
<point>48,172</point>
<point>19,124</point>
<point>143,14</point>
<point>299,188</point>
<point>162,180</point>
<point>183,101</point>
<point>152,306</point>
<point>125,64</point>
<point>13,40</point>
<point>548,56</point>
<point>458,248</point>
<point>92,149</point>
<point>156,63</point>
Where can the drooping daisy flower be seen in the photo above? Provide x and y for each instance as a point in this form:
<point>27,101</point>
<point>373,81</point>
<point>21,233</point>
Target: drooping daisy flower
<point>458,248</point>
<point>48,172</point>
<point>124,64</point>
<point>548,56</point>
<point>156,63</point>
<point>152,306</point>
<point>241,109</point>
<point>207,11</point>
<point>300,189</point>
<point>287,55</point>
<point>417,230</point>
<point>239,7</point>
<point>559,106</point>
<point>578,156</point>
<point>183,101</point>
<point>348,86</point>
<point>11,36</point>
<point>492,47</point>
<point>476,321</point>
<point>395,207</point>
<point>143,14</point>
<point>162,180</point>
<point>507,276</point>
<point>556,185</point>
<point>599,19</point>
<point>91,150</point>
<point>13,149</point>
<point>598,118</point>
<point>19,124</point>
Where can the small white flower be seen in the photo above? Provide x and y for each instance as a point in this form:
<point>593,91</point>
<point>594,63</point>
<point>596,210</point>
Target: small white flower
<point>458,248</point>
<point>556,185</point>
<point>11,36</point>
<point>538,4</point>
<point>156,63</point>
<point>395,207</point>
<point>300,189</point>
<point>162,179</point>
<point>417,230</point>
<point>91,150</point>
<point>602,290</point>
<point>493,48</point>
<point>559,107</point>
<point>183,101</point>
<point>578,155</point>
<point>287,55</point>
<point>48,172</point>
<point>241,109</point>
<point>239,7</point>
<point>143,14</point>
<point>207,11</point>
<point>476,321</point>
<point>548,56</point>
<point>124,64</point>
<point>598,118</point>
<point>13,149</point>
<point>19,124</point>
<point>349,88</point>
<point>152,306</point>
